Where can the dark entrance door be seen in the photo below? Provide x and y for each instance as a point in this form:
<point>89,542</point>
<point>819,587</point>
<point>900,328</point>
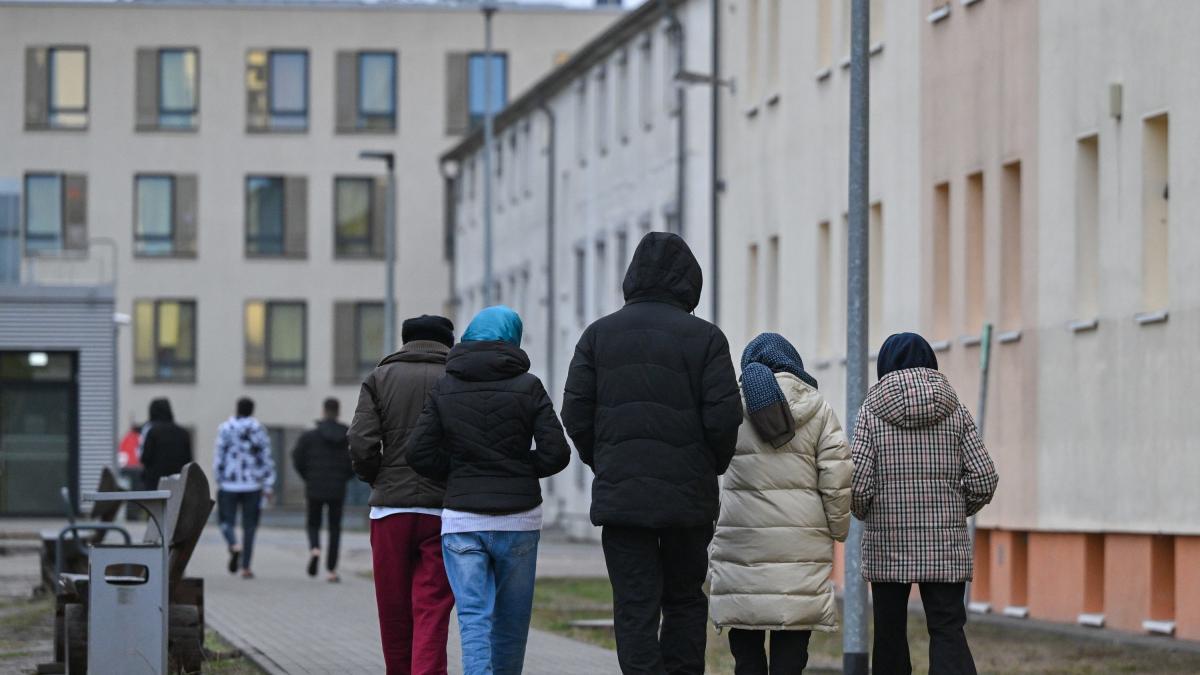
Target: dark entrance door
<point>39,446</point>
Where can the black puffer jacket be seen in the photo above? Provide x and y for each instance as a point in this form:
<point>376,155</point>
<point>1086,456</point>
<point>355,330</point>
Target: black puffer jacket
<point>651,399</point>
<point>477,428</point>
<point>322,460</point>
<point>166,446</point>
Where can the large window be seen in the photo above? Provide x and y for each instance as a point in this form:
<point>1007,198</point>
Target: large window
<point>55,213</point>
<point>168,88</point>
<point>277,90</point>
<point>358,222</point>
<point>164,343</point>
<point>366,91</point>
<point>56,88</point>
<point>165,215</point>
<point>1155,213</point>
<point>646,81</point>
<point>276,220</point>
<point>1087,227</point>
<point>357,340</point>
<point>478,86</point>
<point>276,348</point>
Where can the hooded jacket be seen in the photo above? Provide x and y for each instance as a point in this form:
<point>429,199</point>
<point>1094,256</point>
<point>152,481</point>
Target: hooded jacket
<point>920,470</point>
<point>389,403</point>
<point>165,446</point>
<point>322,459</point>
<point>781,510</point>
<point>242,461</point>
<point>651,399</point>
<point>477,428</point>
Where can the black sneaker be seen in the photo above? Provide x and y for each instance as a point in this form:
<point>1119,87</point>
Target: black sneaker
<point>313,560</point>
<point>234,557</point>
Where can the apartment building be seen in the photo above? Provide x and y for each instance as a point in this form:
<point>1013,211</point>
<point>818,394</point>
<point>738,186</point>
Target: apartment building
<point>1025,172</point>
<point>585,162</point>
<point>205,154</point>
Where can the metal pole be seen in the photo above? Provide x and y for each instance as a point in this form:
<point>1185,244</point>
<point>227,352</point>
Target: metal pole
<point>985,365</point>
<point>389,242</point>
<point>854,636</point>
<point>488,10</point>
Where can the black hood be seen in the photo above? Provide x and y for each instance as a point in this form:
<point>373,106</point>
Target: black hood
<point>418,351</point>
<point>332,431</point>
<point>160,411</point>
<point>486,361</point>
<point>664,270</point>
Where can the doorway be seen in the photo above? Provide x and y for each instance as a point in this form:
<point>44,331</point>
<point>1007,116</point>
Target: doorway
<point>39,438</point>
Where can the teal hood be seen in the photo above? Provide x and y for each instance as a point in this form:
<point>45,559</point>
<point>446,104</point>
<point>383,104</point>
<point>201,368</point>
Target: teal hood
<point>495,324</point>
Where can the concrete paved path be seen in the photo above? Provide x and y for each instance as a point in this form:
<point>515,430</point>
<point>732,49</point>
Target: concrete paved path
<point>289,623</point>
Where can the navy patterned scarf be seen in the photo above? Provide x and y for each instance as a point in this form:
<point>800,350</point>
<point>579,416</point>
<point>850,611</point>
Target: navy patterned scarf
<point>766,355</point>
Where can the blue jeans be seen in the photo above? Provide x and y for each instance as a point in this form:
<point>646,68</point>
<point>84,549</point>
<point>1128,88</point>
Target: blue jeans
<point>228,504</point>
<point>492,574</point>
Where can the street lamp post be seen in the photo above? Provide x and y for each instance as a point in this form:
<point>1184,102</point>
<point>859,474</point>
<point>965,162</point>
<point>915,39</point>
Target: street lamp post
<point>488,8</point>
<point>389,245</point>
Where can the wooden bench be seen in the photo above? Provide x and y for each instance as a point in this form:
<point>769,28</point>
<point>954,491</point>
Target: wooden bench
<point>72,554</point>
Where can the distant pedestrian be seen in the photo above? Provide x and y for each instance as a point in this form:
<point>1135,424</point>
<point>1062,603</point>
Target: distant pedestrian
<point>165,446</point>
<point>322,459</point>
<point>920,470</point>
<point>653,407</point>
<point>411,589</point>
<point>476,433</point>
<point>245,473</point>
<point>784,500</point>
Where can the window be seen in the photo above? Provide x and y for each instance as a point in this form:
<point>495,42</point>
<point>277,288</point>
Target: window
<point>622,97</point>
<point>366,91</point>
<point>478,86</point>
<point>671,222</point>
<point>875,271</point>
<point>974,260</point>
<point>276,348</point>
<point>165,216</point>
<point>622,261</point>
<point>168,86</point>
<point>56,88</point>
<point>825,285</point>
<point>277,90</point>
<point>772,294</point>
<point>602,112</point>
<point>752,285</point>
<point>1010,246</point>
<point>164,343</point>
<point>600,286</point>
<point>646,82</point>
<point>581,122</point>
<point>359,227</point>
<point>1087,227</point>
<point>517,161</point>
<point>55,213</point>
<point>875,32</point>
<point>528,159</point>
<point>580,285</point>
<point>941,261</point>
<point>276,216</point>
<point>753,68</point>
<point>774,26</point>
<point>1155,213</point>
<point>671,66</point>
<point>358,329</point>
<point>824,34</point>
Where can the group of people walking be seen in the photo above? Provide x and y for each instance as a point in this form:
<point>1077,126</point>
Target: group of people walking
<point>454,438</point>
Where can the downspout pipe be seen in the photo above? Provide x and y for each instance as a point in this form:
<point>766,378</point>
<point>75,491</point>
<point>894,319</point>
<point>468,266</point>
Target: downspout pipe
<point>551,288</point>
<point>715,186</point>
<point>675,29</point>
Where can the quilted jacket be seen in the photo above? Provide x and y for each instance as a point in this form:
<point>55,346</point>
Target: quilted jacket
<point>477,428</point>
<point>651,398</point>
<point>920,470</point>
<point>781,510</point>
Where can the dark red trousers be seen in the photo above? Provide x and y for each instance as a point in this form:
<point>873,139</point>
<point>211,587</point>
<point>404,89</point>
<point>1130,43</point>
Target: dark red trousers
<point>412,592</point>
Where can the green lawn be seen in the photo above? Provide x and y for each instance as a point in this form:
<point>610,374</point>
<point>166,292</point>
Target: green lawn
<point>1000,649</point>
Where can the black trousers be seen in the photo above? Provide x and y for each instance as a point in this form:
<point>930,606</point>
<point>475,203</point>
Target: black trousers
<point>789,651</point>
<point>313,523</point>
<point>659,573</point>
<point>945,616</point>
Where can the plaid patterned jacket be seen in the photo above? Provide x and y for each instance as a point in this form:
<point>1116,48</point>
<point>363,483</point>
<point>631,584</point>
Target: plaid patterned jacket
<point>920,469</point>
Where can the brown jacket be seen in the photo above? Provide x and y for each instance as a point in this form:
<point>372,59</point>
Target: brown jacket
<point>389,403</point>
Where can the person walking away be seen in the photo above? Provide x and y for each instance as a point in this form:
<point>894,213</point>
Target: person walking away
<point>475,433</point>
<point>166,447</point>
<point>411,589</point>
<point>784,500</point>
<point>245,473</point>
<point>322,459</point>
<point>653,407</point>
<point>920,470</point>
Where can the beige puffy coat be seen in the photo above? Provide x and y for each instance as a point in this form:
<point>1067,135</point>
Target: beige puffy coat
<point>781,510</point>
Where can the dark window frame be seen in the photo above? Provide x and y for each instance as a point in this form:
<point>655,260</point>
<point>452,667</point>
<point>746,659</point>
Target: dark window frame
<point>475,121</point>
<point>51,109</point>
<point>363,116</point>
<point>272,113</point>
<point>139,237</point>
<point>62,209</point>
<point>270,364</point>
<point>163,109</point>
<point>338,239</point>
<point>158,364</point>
<point>283,214</point>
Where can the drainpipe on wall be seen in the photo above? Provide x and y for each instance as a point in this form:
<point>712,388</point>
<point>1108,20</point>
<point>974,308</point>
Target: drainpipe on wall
<point>675,28</point>
<point>551,296</point>
<point>715,153</point>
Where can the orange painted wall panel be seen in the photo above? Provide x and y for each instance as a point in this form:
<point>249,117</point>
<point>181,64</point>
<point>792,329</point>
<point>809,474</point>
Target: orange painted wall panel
<point>981,587</point>
<point>1187,587</point>
<point>1127,571</point>
<point>1009,568</point>
<point>1057,575</point>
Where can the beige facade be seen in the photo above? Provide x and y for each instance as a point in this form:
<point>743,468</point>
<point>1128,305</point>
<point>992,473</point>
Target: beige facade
<point>215,158</point>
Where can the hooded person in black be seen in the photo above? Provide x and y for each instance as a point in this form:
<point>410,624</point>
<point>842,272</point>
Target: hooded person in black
<point>322,458</point>
<point>653,406</point>
<point>166,446</point>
